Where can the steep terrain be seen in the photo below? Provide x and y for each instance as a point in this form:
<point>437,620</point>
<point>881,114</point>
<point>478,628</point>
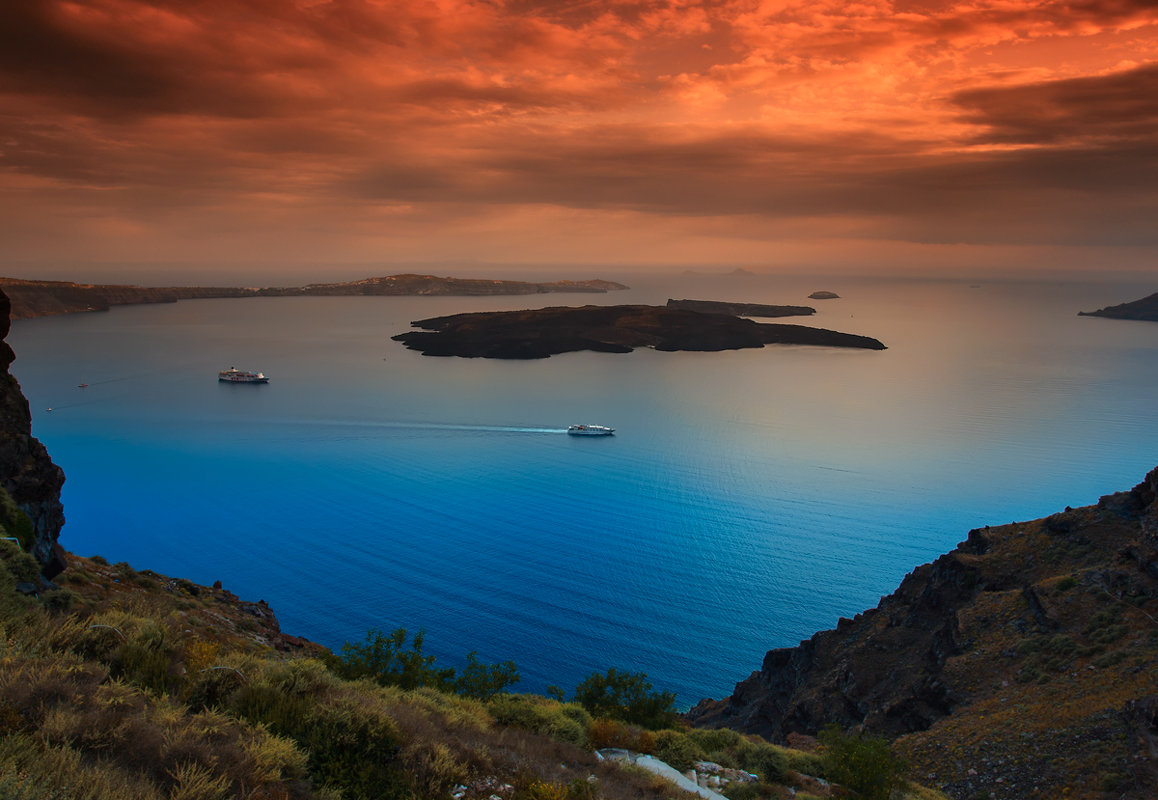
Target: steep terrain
<point>1023,663</point>
<point>27,474</point>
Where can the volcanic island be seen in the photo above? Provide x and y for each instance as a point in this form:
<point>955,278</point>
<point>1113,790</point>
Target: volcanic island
<point>543,332</point>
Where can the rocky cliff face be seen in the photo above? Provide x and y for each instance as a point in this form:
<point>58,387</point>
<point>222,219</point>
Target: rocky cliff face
<point>880,670</point>
<point>1023,663</point>
<point>26,471</point>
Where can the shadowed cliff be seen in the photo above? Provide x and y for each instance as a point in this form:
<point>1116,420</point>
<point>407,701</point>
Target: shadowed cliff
<point>27,474</point>
<point>1027,656</point>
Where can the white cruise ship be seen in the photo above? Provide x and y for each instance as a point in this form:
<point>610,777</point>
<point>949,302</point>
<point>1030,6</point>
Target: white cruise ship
<point>590,430</point>
<point>235,375</point>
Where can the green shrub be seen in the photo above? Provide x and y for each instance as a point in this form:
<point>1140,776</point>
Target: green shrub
<point>15,522</point>
<point>862,763</point>
<point>676,749</point>
<point>483,681</point>
<point>715,740</point>
<point>576,712</point>
<point>762,758</point>
<point>540,715</point>
<point>352,747</point>
<point>626,696</point>
<point>19,564</point>
<point>748,791</point>
<point>805,763</point>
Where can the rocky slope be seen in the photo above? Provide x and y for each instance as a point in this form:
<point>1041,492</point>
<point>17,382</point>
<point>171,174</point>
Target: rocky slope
<point>27,474</point>
<point>1023,663</point>
<point>540,333</point>
<point>1145,309</point>
<point>44,298</point>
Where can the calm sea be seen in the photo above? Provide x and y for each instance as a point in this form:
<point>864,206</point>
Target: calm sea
<point>747,500</point>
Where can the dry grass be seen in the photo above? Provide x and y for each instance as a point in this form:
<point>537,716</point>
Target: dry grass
<point>152,688</point>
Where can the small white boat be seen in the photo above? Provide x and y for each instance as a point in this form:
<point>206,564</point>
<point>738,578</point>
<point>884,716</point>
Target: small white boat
<point>235,375</point>
<point>590,430</point>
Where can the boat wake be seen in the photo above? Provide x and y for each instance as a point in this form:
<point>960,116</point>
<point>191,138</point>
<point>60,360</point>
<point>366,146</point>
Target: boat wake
<point>432,426</point>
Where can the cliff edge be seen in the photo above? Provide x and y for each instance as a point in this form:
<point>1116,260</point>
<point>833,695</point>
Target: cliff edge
<point>27,473</point>
<point>1024,661</point>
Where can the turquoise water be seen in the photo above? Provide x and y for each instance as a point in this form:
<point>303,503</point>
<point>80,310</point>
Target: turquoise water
<point>748,499</point>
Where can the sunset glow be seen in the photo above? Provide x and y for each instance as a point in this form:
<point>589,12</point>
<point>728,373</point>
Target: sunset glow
<point>930,134</point>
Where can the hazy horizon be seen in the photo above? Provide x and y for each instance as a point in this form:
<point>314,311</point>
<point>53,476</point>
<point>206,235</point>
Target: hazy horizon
<point>725,277</point>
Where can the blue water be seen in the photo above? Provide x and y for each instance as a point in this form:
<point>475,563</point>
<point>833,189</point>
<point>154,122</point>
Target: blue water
<point>748,499</point>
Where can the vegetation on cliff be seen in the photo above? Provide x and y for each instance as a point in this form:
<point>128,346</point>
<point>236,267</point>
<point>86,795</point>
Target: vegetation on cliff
<point>129,685</point>
<point>1024,663</point>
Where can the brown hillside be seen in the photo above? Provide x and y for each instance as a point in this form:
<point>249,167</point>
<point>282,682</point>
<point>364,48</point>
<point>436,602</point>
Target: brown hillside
<point>1022,664</point>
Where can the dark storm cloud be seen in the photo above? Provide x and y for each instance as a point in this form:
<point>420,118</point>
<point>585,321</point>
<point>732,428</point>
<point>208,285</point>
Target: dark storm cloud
<point>1118,105</point>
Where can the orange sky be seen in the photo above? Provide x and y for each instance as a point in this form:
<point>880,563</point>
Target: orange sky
<point>765,133</point>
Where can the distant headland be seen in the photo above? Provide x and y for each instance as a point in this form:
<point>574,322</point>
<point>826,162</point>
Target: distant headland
<point>44,298</point>
<point>1145,309</point>
<point>544,332</point>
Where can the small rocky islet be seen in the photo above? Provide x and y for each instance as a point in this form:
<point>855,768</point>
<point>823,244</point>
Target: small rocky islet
<point>544,332</point>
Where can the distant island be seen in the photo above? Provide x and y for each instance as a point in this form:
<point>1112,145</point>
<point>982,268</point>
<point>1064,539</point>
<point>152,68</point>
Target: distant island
<point>44,298</point>
<point>741,309</point>
<point>738,272</point>
<point>822,295</point>
<point>544,332</point>
<point>1145,309</point>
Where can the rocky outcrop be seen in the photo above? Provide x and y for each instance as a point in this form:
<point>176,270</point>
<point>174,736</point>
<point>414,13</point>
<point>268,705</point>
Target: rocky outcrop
<point>879,670</point>
<point>1145,309</point>
<point>998,668</point>
<point>27,474</point>
<point>544,332</point>
<point>741,309</point>
<point>44,298</point>
<point>823,295</point>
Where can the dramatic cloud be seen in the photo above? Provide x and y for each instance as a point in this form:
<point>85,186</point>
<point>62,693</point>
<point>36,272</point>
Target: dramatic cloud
<point>339,130</point>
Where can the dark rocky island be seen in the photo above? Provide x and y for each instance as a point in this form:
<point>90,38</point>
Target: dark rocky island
<point>44,298</point>
<point>991,665</point>
<point>822,295</point>
<point>1145,309</point>
<point>741,309</point>
<point>545,332</point>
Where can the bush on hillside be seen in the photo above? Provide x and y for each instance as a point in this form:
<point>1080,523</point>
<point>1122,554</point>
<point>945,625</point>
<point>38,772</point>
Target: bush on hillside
<point>384,658</point>
<point>676,749</point>
<point>862,763</point>
<point>626,696</point>
<point>483,681</point>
